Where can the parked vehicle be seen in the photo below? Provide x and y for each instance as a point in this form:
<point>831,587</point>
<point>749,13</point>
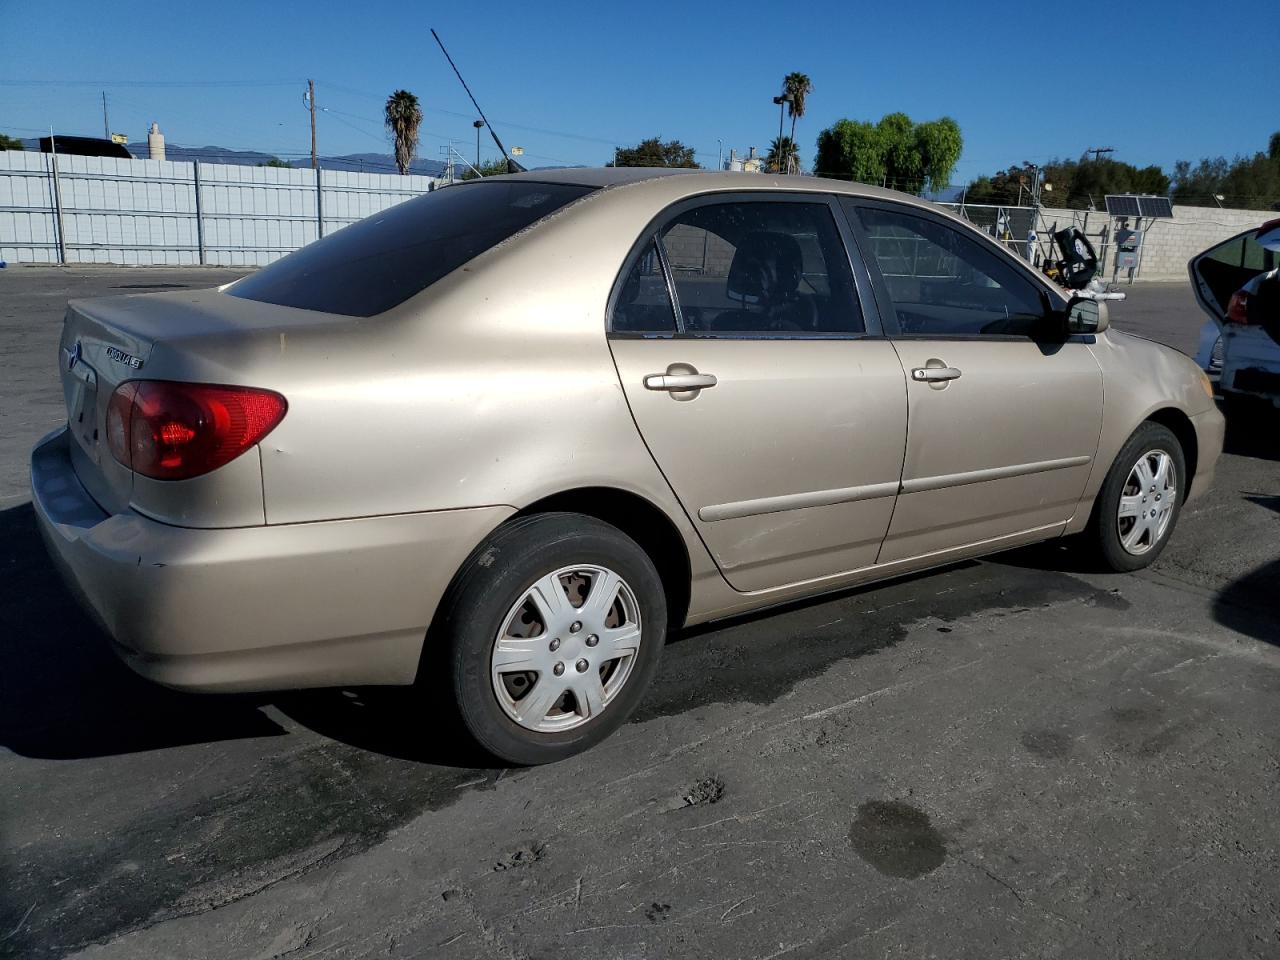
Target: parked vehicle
<point>539,419</point>
<point>1237,283</point>
<point>84,147</point>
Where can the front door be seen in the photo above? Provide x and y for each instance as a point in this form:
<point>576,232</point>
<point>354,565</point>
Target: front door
<point>1003,423</point>
<point>777,420</point>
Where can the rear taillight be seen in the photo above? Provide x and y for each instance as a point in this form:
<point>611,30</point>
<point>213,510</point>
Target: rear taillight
<point>174,431</point>
<point>1238,308</point>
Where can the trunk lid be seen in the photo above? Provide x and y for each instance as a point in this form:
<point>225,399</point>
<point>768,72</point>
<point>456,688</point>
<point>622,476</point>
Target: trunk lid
<point>158,336</point>
<point>1223,269</point>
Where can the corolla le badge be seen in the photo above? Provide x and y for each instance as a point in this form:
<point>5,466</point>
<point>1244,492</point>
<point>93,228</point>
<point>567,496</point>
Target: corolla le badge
<point>119,356</point>
<point>72,354</point>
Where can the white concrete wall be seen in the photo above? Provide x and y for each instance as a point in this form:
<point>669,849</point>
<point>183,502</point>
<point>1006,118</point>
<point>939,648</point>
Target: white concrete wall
<point>144,211</point>
<point>1168,244</point>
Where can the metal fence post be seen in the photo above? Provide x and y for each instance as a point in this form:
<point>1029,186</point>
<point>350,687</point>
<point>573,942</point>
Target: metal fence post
<point>57,201</point>
<point>199,212</point>
<point>319,205</point>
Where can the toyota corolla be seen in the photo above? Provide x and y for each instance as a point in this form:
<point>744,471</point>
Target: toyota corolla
<point>502,437</point>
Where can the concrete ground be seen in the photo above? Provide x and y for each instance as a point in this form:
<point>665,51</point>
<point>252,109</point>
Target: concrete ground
<point>1010,758</point>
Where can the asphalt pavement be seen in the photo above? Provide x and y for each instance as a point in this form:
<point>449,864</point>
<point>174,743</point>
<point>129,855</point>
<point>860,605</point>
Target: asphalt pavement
<point>1008,758</point>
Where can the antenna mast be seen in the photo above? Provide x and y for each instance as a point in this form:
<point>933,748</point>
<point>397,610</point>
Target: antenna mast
<point>512,166</point>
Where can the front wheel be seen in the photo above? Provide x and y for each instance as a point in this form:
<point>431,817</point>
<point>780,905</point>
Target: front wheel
<point>1137,507</point>
<point>553,629</point>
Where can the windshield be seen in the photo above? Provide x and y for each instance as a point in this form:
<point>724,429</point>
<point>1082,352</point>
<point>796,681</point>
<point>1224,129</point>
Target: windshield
<point>378,263</point>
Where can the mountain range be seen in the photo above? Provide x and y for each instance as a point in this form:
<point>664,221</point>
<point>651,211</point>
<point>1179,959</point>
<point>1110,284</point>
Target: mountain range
<point>359,162</point>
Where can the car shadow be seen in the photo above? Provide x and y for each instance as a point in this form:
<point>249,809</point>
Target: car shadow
<point>1247,605</point>
<point>1253,430</point>
<point>64,695</point>
<point>1052,556</point>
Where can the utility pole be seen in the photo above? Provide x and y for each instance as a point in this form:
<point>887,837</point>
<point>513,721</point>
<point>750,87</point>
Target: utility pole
<point>782,102</point>
<point>478,124</point>
<point>311,102</point>
<point>1099,151</point>
<point>106,127</point>
<point>782,108</point>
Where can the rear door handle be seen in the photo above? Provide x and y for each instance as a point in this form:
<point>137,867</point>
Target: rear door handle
<point>679,381</point>
<point>935,374</point>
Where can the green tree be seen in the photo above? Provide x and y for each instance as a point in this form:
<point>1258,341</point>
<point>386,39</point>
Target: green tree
<point>783,156</point>
<point>897,152</point>
<point>654,153</point>
<point>797,86</point>
<point>489,168</point>
<point>1072,183</point>
<point>1251,182</point>
<point>404,117</point>
<point>10,143</point>
<point>276,162</point>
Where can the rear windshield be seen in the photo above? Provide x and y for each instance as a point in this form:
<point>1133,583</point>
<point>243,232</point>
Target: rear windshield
<point>383,260</point>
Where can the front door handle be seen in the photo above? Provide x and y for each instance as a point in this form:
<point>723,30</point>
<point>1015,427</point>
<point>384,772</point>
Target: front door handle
<point>935,374</point>
<point>679,381</point>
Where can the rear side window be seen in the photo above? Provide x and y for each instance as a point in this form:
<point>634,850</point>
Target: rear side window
<point>644,302</point>
<point>382,261</point>
<point>761,268</point>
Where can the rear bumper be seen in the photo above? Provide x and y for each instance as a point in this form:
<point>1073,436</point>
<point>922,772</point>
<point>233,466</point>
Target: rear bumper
<point>254,608</point>
<point>1210,427</point>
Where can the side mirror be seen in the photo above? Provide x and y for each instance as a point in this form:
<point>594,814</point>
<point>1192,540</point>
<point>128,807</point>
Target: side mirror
<point>1086,315</point>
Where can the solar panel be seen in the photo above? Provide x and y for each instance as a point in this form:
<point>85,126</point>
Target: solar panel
<point>1123,205</point>
<point>1155,206</point>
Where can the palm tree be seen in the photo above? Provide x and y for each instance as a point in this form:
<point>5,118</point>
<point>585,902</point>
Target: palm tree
<point>797,86</point>
<point>783,156</point>
<point>404,117</point>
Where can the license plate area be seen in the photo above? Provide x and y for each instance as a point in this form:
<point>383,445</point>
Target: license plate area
<point>82,407</point>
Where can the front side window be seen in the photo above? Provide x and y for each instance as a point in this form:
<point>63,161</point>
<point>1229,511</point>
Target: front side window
<point>761,268</point>
<point>382,261</point>
<point>943,283</point>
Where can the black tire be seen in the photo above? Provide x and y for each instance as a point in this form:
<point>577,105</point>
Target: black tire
<point>1103,536</point>
<point>492,581</point>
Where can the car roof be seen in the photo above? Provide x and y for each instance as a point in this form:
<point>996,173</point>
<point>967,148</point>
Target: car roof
<point>705,180</point>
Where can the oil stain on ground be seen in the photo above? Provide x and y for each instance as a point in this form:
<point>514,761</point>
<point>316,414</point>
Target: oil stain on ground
<point>1047,744</point>
<point>758,659</point>
<point>897,839</point>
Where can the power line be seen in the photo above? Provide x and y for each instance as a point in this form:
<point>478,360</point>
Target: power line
<point>612,142</point>
<point>148,83</point>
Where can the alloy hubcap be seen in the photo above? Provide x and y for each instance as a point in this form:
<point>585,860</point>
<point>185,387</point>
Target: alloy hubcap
<point>566,648</point>
<point>1147,501</point>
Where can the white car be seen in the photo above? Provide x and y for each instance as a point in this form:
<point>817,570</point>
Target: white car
<point>1237,283</point>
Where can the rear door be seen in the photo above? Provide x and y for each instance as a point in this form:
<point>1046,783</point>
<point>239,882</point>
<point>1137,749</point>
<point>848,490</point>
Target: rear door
<point>1002,424</point>
<point>753,363</point>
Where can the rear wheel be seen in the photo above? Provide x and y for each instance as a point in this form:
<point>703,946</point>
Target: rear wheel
<point>1137,507</point>
<point>554,629</point>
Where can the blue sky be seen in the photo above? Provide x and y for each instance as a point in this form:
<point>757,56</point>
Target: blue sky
<point>1159,81</point>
